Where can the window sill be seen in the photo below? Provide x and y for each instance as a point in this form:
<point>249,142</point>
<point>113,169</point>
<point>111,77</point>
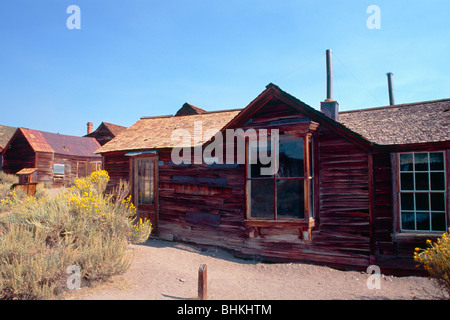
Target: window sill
<point>415,236</point>
<point>285,223</point>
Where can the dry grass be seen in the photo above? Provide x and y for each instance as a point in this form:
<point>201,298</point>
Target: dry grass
<point>40,237</point>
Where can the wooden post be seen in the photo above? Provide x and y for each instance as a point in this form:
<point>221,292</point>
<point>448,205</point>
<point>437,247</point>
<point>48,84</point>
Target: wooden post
<point>202,282</point>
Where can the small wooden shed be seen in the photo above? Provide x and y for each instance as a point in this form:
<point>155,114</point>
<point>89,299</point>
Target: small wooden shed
<point>58,158</point>
<point>27,181</point>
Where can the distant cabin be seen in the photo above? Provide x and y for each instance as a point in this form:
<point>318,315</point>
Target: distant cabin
<point>6,133</point>
<point>58,158</point>
<point>105,132</point>
<point>350,189</point>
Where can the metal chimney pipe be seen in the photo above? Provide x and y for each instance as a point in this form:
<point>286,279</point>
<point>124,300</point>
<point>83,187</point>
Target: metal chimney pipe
<point>329,76</point>
<point>390,89</point>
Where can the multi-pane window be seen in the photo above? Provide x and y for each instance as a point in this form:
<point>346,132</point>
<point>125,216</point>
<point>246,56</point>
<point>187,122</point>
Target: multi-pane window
<point>145,181</point>
<point>422,191</point>
<point>286,193</point>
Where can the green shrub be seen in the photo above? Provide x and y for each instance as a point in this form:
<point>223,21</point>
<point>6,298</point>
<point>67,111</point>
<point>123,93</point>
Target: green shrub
<point>41,237</point>
<point>436,261</point>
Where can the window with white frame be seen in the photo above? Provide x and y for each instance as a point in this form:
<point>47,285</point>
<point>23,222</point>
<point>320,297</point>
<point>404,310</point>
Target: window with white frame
<point>422,191</point>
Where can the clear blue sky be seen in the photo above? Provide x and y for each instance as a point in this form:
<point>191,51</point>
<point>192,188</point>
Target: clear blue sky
<point>145,58</point>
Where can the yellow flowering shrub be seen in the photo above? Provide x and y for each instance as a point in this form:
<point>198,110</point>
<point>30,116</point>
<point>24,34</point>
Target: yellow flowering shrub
<point>82,226</point>
<point>436,260</point>
<point>82,184</point>
<point>99,180</point>
<point>141,231</point>
<point>9,200</point>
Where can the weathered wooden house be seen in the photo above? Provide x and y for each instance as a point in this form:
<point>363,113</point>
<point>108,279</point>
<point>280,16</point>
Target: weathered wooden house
<point>6,133</point>
<point>58,158</point>
<point>350,189</point>
<point>105,132</point>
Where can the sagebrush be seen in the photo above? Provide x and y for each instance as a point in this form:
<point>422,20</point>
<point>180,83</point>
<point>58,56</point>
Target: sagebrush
<point>40,237</point>
<point>436,261</point>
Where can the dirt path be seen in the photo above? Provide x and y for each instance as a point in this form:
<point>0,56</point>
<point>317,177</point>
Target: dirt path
<point>167,270</point>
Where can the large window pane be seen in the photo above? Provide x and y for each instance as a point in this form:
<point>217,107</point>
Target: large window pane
<point>259,158</point>
<point>262,198</point>
<point>282,194</point>
<point>290,199</point>
<point>291,157</point>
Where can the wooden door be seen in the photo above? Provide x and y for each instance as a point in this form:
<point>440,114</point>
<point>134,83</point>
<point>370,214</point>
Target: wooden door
<point>145,186</point>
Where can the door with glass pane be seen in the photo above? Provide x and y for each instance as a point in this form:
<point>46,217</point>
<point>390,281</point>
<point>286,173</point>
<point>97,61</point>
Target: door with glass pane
<point>145,189</point>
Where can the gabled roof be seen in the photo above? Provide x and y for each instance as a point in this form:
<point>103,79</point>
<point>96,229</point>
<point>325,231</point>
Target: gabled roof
<point>5,134</point>
<point>400,124</point>
<point>41,141</point>
<point>115,129</point>
<point>274,92</point>
<point>189,109</point>
<point>419,122</point>
<point>156,132</point>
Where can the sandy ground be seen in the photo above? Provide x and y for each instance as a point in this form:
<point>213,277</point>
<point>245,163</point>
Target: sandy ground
<point>164,270</point>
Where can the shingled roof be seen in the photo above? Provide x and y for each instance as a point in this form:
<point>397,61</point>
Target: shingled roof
<point>419,122</point>
<point>42,141</point>
<point>156,132</point>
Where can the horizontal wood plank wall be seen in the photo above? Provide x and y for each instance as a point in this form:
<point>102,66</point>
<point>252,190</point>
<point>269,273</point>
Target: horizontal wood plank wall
<point>343,231</point>
<point>205,205</point>
<point>118,167</point>
<point>201,204</point>
<point>44,164</point>
<point>75,166</point>
<point>188,205</point>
